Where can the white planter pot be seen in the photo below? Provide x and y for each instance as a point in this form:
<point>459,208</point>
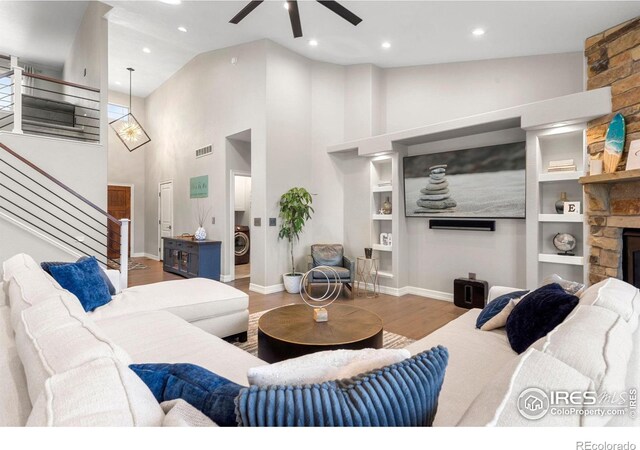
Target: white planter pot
<point>292,283</point>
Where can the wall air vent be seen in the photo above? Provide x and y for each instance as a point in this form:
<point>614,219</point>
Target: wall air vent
<point>204,151</point>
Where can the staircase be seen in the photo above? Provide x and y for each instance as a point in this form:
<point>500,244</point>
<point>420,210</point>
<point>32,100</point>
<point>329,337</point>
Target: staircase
<point>51,212</point>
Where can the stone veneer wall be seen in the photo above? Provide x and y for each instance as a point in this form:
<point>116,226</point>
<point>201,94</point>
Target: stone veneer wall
<point>613,58</point>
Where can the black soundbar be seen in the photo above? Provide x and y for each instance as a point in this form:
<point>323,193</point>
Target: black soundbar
<point>457,224</point>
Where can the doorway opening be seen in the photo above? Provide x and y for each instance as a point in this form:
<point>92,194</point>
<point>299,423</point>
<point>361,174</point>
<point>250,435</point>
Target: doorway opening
<point>165,214</point>
<point>239,159</point>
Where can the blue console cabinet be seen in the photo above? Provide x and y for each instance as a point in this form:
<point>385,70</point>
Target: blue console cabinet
<point>190,258</point>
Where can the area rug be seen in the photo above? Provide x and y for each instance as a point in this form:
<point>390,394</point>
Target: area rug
<point>133,265</point>
<point>389,340</point>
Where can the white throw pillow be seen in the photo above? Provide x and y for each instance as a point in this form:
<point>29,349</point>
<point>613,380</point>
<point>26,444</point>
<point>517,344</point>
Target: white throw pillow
<point>179,413</point>
<point>570,287</point>
<point>324,366</point>
<point>500,319</point>
<point>617,296</point>
<point>55,336</point>
<point>100,393</point>
<point>497,404</point>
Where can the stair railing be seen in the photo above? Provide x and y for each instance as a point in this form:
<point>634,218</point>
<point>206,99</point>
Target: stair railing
<point>58,217</point>
<point>37,104</point>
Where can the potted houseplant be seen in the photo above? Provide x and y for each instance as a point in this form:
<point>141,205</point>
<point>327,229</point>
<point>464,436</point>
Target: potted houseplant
<point>295,210</point>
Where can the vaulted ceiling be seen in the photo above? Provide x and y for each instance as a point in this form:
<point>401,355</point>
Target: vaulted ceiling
<point>418,32</point>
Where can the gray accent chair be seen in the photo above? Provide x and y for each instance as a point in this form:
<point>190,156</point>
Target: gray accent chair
<point>331,255</point>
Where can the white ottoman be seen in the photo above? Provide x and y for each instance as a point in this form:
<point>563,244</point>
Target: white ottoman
<point>215,307</point>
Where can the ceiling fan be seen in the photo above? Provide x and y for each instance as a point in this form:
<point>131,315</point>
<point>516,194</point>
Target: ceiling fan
<point>294,14</point>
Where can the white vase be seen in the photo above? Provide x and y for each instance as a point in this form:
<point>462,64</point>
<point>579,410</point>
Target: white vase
<point>200,234</point>
<point>292,282</point>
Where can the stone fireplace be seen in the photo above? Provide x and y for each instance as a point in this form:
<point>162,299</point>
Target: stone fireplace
<point>613,200</point>
<point>612,207</point>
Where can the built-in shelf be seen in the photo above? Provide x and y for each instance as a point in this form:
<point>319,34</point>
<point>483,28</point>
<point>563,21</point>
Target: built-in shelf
<point>615,177</point>
<point>561,259</point>
<point>383,274</point>
<point>381,217</point>
<point>382,248</point>
<point>561,217</point>
<point>559,176</point>
<point>382,189</point>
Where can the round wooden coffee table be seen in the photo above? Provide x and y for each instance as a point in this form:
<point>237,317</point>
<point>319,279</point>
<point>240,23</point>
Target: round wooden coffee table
<point>290,331</point>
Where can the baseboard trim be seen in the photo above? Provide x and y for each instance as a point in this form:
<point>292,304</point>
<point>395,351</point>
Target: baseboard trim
<point>226,278</point>
<point>436,295</point>
<point>150,256</point>
<point>421,292</point>
<point>266,289</point>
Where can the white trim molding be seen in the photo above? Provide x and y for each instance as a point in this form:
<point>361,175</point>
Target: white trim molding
<point>150,256</point>
<point>266,289</point>
<point>226,278</point>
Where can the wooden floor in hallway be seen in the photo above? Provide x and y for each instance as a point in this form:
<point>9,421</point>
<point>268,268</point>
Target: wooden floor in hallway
<point>410,315</point>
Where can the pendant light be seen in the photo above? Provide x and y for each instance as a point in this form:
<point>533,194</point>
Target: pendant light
<point>127,127</point>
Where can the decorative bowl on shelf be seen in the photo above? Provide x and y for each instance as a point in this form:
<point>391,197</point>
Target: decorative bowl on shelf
<point>565,242</point>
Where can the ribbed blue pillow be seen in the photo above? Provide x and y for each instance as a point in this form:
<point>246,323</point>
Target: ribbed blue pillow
<point>84,280</point>
<point>495,306</point>
<point>402,394</point>
<point>204,390</point>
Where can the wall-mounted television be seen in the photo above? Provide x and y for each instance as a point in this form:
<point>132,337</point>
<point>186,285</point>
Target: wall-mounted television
<point>484,182</point>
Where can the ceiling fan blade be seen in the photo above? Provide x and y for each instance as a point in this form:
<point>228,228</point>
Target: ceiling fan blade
<point>341,11</point>
<point>294,16</point>
<point>245,11</point>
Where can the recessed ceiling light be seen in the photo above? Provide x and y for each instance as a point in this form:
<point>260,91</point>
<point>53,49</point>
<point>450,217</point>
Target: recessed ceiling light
<point>478,32</point>
<point>386,44</point>
<point>146,50</point>
<point>313,43</point>
<point>183,29</point>
<point>286,5</point>
<point>171,2</point>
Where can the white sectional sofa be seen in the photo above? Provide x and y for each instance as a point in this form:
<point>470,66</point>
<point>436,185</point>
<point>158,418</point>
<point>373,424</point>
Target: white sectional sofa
<point>61,366</point>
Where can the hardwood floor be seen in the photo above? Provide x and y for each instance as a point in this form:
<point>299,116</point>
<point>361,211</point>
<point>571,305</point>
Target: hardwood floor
<point>409,315</point>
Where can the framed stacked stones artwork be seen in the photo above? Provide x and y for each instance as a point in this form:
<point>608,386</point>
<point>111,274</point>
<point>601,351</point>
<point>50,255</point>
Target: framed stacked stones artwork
<point>484,182</point>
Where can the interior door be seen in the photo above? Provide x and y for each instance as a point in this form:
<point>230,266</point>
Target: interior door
<point>165,213</point>
<point>119,206</point>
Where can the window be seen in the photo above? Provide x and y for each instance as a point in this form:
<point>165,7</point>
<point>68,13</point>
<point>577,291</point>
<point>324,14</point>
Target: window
<point>116,111</point>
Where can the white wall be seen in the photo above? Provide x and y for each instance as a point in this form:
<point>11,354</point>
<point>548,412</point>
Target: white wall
<point>288,153</point>
<point>327,127</point>
<point>78,165</point>
<point>204,102</point>
<point>421,95</point>
<point>127,168</point>
<point>295,108</point>
<point>81,166</point>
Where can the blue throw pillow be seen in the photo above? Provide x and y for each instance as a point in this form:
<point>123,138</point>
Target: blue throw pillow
<point>83,279</point>
<point>402,394</point>
<point>537,314</point>
<point>495,306</point>
<point>46,266</point>
<point>204,390</point>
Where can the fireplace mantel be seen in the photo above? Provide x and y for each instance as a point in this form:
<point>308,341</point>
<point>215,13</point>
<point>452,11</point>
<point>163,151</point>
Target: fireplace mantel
<point>616,177</point>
